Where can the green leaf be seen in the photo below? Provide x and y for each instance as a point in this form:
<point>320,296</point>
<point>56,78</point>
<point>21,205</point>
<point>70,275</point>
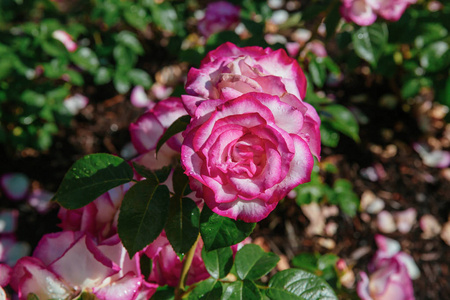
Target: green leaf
<point>218,262</point>
<point>280,294</point>
<point>332,20</point>
<point>140,77</point>
<point>32,296</point>
<point>86,59</point>
<point>305,261</point>
<point>435,56</point>
<point>300,283</point>
<point>121,82</point>
<point>369,42</point>
<point>180,181</point>
<point>317,71</point>
<point>129,40</point>
<point>252,262</point>
<point>143,215</point>
<point>327,261</point>
<point>328,136</point>
<point>411,88</point>
<point>182,226</point>
<point>178,126</point>
<point>90,177</point>
<point>102,76</point>
<point>145,172</point>
<point>164,293</point>
<point>241,290</point>
<point>341,119</point>
<point>165,16</point>
<point>218,232</point>
<point>146,265</point>
<point>209,289</point>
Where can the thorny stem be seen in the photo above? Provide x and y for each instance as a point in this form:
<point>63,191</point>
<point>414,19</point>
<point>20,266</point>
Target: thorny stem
<point>184,271</point>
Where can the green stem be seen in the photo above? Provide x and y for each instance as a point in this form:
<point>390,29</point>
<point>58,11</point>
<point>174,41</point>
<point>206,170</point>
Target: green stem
<point>184,271</point>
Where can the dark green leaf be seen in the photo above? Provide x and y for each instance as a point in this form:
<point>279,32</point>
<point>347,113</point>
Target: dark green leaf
<point>341,119</point>
<point>144,172</point>
<point>280,294</point>
<point>327,261</point>
<point>146,265</point>
<point>121,82</point>
<point>90,177</point>
<point>143,215</point>
<point>332,20</point>
<point>129,40</point>
<point>305,261</point>
<point>140,77</point>
<point>182,226</point>
<point>218,262</point>
<point>369,42</point>
<point>209,289</point>
<point>178,126</point>
<point>252,262</point>
<point>218,232</point>
<point>86,59</point>
<point>300,283</point>
<point>102,76</point>
<point>180,181</point>
<point>164,293</point>
<point>328,136</point>
<point>241,290</point>
<point>317,71</point>
<point>435,56</point>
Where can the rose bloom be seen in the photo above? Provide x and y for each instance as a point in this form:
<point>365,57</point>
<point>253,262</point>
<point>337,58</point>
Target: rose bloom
<point>244,155</point>
<point>364,12</point>
<point>219,16</point>
<point>68,263</point>
<point>391,271</point>
<point>99,218</point>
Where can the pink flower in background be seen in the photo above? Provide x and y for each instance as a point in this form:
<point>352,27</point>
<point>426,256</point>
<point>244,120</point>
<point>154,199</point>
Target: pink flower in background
<point>66,39</point>
<point>243,155</point>
<point>75,103</point>
<point>99,217</point>
<point>219,16</point>
<point>12,250</point>
<point>5,275</point>
<point>8,220</point>
<point>391,272</point>
<point>65,264</point>
<point>40,200</point>
<point>167,265</point>
<point>139,98</point>
<point>150,126</point>
<point>364,12</point>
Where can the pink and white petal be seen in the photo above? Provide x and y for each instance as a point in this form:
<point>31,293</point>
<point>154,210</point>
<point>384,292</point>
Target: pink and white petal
<point>5,274</point>
<point>83,265</point>
<point>280,111</point>
<point>40,200</point>
<point>169,110</point>
<point>246,210</point>
<point>146,291</point>
<point>407,260</point>
<point>165,157</point>
<point>139,97</point>
<point>228,93</point>
<point>53,245</point>
<point>31,276</point>
<point>362,288</point>
<point>300,168</point>
<point>389,247</point>
<point>145,132</point>
<point>229,49</point>
<point>358,11</point>
<point>113,249</point>
<point>123,289</point>
<point>2,294</point>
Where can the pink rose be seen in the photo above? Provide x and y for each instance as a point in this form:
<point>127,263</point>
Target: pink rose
<point>67,263</point>
<point>66,39</point>
<point>99,217</point>
<point>391,273</point>
<point>219,16</point>
<point>364,12</point>
<point>244,155</point>
<point>167,265</point>
<point>230,71</point>
<point>150,126</point>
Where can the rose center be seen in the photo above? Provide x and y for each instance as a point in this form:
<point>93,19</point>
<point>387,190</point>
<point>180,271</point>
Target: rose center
<point>247,156</point>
